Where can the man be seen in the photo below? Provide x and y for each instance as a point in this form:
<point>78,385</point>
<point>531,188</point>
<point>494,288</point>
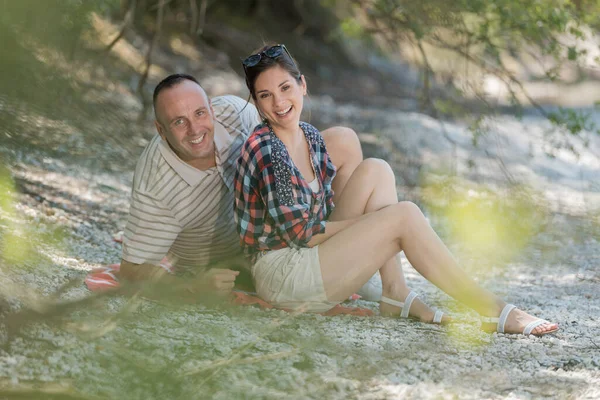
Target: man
<point>182,198</point>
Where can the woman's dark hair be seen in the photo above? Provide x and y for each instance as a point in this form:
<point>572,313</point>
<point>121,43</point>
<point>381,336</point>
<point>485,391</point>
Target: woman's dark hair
<point>284,60</point>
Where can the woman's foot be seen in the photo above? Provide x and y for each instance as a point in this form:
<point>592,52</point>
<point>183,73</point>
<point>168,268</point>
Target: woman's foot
<point>418,310</point>
<point>517,321</point>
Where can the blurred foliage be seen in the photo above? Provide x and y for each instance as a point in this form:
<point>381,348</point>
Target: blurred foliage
<point>25,30</point>
<point>21,242</point>
<point>15,246</point>
<point>491,225</point>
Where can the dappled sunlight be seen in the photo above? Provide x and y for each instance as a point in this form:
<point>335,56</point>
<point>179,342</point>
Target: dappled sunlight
<point>184,48</point>
<point>49,215</point>
<point>65,260</point>
<point>90,134</point>
<point>57,60</point>
<point>87,74</point>
<point>40,121</point>
<point>387,388</point>
<point>226,83</point>
<point>125,51</point>
<point>566,161</point>
<point>94,188</point>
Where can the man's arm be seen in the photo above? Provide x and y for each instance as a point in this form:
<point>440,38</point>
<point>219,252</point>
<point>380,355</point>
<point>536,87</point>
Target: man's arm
<point>213,281</point>
<point>146,272</point>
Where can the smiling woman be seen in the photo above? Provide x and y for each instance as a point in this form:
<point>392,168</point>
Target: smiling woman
<point>280,97</point>
<point>305,254</point>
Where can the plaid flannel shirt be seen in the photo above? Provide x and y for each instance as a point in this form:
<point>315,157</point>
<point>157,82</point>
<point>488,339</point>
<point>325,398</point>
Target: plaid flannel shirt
<point>274,205</point>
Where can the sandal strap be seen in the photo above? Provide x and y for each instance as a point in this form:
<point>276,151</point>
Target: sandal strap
<point>407,303</point>
<point>405,306</point>
<point>392,302</point>
<point>532,325</point>
<point>500,320</point>
<point>489,320</point>
<point>504,316</point>
<point>437,317</point>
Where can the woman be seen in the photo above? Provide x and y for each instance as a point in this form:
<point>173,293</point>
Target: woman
<point>308,255</point>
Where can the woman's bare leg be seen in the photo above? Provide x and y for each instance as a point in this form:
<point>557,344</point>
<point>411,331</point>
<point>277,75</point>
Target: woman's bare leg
<point>351,257</point>
<point>371,188</point>
<point>343,147</point>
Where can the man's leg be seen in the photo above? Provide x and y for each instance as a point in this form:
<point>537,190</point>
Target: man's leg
<point>344,149</point>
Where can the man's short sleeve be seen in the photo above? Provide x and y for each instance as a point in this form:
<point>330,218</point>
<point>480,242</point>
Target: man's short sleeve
<point>231,108</point>
<point>151,230</point>
<point>250,117</point>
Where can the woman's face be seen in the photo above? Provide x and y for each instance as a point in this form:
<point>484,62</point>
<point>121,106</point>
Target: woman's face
<point>280,97</point>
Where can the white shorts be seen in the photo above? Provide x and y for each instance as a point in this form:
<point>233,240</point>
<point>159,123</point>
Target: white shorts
<point>291,279</point>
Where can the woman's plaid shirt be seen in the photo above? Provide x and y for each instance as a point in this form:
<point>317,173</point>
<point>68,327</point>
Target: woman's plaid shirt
<point>274,206</point>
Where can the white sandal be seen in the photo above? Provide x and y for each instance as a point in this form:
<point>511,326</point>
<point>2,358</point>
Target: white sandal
<point>501,321</point>
<point>405,306</point>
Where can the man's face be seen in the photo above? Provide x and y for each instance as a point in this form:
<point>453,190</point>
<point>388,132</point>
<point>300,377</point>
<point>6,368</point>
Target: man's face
<point>185,119</point>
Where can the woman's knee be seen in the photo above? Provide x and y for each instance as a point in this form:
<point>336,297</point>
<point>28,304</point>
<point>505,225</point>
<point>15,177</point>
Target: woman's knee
<point>343,146</point>
<point>379,173</point>
<point>342,137</point>
<point>376,168</point>
<point>407,214</point>
<point>409,209</point>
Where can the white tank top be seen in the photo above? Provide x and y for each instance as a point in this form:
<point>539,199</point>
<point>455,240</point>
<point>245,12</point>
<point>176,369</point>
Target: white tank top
<point>314,185</point>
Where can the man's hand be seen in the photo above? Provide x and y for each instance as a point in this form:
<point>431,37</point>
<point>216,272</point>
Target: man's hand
<point>216,280</point>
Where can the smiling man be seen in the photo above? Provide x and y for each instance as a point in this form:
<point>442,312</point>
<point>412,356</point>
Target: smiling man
<point>182,197</point>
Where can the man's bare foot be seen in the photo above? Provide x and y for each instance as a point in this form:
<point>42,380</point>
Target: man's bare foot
<point>517,321</point>
<point>418,309</point>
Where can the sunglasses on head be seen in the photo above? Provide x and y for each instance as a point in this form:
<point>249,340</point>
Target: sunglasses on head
<point>271,52</point>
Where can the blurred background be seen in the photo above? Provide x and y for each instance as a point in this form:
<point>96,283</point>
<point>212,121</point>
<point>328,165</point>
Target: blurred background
<point>486,110</point>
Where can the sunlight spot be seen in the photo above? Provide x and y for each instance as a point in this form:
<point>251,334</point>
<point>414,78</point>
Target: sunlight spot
<point>185,49</point>
<point>107,31</point>
<point>69,262</point>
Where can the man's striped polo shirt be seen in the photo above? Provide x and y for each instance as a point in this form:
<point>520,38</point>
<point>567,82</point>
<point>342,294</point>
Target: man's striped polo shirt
<point>181,212</point>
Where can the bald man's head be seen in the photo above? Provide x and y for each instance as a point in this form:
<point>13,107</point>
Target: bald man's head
<point>169,82</point>
<point>185,120</point>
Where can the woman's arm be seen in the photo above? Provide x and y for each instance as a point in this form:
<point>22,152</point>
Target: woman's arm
<point>334,227</point>
<point>331,228</point>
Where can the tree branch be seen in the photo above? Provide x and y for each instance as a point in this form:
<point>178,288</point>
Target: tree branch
<point>129,16</point>
<point>201,18</point>
<point>193,17</point>
<point>155,36</point>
